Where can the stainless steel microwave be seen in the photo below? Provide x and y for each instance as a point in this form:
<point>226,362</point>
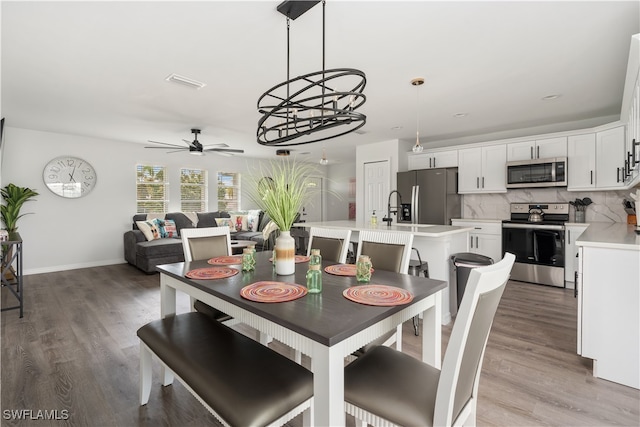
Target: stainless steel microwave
<point>551,172</point>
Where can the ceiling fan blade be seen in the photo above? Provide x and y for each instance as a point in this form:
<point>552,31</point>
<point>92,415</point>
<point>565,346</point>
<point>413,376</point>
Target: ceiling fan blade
<point>165,143</point>
<point>221,144</point>
<point>224,150</point>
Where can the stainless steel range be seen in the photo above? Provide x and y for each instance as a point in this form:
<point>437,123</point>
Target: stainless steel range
<point>535,235</point>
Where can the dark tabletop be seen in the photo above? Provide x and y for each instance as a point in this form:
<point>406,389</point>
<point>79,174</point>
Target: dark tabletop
<point>327,317</point>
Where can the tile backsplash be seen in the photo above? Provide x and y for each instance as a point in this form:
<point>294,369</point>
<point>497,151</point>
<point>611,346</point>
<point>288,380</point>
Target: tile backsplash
<point>606,207</point>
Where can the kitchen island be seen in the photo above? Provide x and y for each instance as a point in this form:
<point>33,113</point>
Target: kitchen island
<point>608,292</point>
<point>436,243</point>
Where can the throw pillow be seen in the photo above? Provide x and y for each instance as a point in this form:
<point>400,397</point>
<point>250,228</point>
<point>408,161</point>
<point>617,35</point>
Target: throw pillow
<point>149,229</point>
<point>166,228</point>
<point>170,228</point>
<point>224,222</point>
<point>239,222</point>
<point>253,219</point>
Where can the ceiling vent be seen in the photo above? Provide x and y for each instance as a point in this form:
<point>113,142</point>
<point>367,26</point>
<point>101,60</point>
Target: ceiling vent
<point>186,81</point>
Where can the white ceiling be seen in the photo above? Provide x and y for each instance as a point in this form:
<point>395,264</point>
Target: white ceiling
<point>98,68</point>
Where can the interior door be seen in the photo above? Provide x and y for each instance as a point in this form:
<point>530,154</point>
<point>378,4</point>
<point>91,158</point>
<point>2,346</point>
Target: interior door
<point>312,209</point>
<point>376,189</point>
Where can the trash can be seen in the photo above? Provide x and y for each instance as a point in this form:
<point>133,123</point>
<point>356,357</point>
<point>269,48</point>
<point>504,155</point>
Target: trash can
<point>460,268</point>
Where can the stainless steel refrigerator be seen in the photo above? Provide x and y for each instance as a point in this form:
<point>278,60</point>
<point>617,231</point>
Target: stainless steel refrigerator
<point>429,196</point>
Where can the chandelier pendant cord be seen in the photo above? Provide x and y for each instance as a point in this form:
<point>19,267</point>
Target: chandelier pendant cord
<point>288,79</point>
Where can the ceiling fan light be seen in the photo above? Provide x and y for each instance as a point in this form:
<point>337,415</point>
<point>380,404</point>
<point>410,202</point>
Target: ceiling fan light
<point>196,153</point>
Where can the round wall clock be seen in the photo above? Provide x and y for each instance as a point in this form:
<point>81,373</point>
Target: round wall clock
<point>69,176</point>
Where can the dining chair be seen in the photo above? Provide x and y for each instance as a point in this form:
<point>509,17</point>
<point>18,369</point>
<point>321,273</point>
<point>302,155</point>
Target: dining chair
<point>332,242</point>
<point>387,387</point>
<point>390,252</point>
<point>206,243</point>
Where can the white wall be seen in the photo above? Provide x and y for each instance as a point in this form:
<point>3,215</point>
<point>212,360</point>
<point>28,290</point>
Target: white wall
<point>338,185</point>
<point>65,234</point>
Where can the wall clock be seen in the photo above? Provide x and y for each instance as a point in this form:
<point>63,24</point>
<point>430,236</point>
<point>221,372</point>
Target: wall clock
<point>69,177</point>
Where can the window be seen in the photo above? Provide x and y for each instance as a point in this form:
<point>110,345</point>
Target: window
<point>193,190</point>
<point>151,189</point>
<point>228,191</point>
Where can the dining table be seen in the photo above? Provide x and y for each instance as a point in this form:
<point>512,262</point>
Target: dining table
<point>326,326</point>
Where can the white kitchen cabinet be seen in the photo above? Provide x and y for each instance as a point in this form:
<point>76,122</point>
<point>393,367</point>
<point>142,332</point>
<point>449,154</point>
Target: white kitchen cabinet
<point>482,169</point>
<point>571,233</point>
<point>581,158</point>
<point>608,312</point>
<point>596,160</point>
<point>433,159</point>
<point>538,149</point>
<point>485,239</point>
<point>610,157</point>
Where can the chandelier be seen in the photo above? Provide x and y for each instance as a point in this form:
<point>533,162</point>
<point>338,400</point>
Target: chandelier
<point>312,107</point>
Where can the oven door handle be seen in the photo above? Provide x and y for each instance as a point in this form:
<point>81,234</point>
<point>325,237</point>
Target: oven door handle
<point>534,226</point>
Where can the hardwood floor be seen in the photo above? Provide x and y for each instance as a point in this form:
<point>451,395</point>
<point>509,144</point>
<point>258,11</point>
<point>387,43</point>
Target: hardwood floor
<point>75,355</point>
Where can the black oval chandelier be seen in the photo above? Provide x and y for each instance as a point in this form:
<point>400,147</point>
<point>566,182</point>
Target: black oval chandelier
<point>309,108</point>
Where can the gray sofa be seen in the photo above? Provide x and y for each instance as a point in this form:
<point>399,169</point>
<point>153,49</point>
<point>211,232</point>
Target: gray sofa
<point>145,255</point>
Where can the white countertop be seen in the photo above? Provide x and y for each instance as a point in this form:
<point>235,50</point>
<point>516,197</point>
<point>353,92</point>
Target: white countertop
<point>490,220</point>
<point>424,230</point>
<point>613,235</point>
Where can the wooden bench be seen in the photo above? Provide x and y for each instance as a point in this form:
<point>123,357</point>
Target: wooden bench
<point>241,382</point>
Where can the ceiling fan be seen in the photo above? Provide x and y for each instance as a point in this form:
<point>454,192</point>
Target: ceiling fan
<point>195,147</point>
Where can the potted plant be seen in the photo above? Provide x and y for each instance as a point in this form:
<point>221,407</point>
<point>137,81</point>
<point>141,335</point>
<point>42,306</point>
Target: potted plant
<point>281,190</point>
<point>14,197</point>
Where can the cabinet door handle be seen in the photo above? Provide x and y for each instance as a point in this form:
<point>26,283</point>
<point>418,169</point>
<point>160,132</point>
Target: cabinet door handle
<point>591,172</point>
<point>569,236</point>
<point>617,174</point>
<point>477,242</point>
<point>471,241</point>
<point>575,284</point>
<point>477,182</point>
<point>532,151</point>
<point>483,182</point>
<point>434,162</point>
<point>537,152</point>
<point>429,161</point>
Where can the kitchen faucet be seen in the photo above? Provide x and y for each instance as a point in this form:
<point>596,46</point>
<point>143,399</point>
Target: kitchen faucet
<point>388,218</point>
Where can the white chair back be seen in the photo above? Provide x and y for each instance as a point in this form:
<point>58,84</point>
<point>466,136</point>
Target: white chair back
<point>386,238</point>
<point>319,234</point>
<point>191,239</point>
<point>458,386</point>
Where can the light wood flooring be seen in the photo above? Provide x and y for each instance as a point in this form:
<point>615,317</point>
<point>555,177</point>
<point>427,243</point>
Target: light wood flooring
<point>76,349</point>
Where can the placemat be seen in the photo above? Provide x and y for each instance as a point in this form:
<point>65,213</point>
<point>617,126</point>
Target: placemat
<point>268,291</point>
<point>226,260</point>
<point>209,273</point>
<point>342,269</point>
<point>380,295</point>
<point>298,260</point>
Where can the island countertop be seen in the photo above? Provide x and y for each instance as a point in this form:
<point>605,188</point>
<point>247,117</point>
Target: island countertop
<point>424,230</point>
<point>612,235</point>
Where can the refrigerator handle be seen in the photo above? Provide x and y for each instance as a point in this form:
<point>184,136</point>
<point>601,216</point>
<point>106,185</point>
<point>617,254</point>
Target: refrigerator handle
<point>415,193</point>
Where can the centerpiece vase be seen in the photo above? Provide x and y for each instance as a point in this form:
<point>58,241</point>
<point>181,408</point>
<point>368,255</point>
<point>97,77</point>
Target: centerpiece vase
<point>285,254</point>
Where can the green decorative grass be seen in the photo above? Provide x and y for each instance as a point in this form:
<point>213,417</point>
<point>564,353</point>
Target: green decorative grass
<point>281,188</point>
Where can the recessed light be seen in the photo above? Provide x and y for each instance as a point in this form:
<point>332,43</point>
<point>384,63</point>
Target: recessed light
<point>396,128</point>
<point>551,97</point>
<point>460,115</point>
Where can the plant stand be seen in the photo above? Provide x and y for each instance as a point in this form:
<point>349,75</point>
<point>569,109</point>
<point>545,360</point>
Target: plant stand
<point>11,271</point>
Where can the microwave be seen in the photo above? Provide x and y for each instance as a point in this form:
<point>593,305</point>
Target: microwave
<point>551,172</point>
